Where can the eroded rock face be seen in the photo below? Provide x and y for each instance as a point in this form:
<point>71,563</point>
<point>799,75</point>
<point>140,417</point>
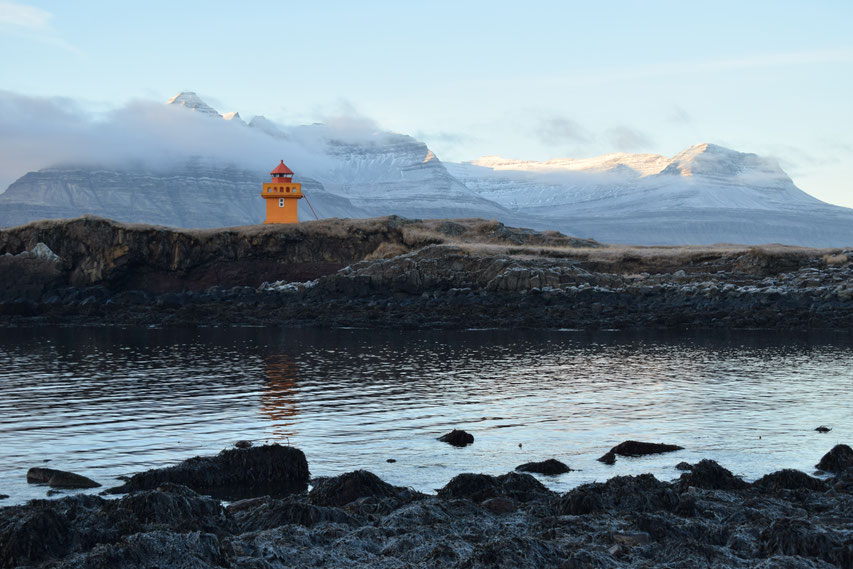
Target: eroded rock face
<point>233,473</point>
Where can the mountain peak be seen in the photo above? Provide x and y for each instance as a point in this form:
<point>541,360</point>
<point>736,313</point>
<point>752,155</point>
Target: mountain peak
<point>233,116</point>
<point>718,161</point>
<point>190,100</point>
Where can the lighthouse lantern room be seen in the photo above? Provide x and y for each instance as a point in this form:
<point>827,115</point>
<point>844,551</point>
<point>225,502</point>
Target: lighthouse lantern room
<point>281,195</point>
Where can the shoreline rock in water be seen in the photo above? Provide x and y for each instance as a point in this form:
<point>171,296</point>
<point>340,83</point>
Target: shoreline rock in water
<point>232,474</point>
<point>398,273</point>
<point>706,518</point>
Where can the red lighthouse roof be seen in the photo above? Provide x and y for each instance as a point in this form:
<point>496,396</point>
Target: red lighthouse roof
<point>281,169</point>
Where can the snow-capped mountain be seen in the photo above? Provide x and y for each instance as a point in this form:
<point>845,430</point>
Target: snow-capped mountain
<point>705,194</point>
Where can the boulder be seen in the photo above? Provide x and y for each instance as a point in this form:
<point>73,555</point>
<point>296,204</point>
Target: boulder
<point>551,467</point>
<point>608,458</point>
<point>233,473</point>
<point>709,475</point>
<point>638,448</point>
<point>59,478</point>
<point>481,487</point>
<point>789,479</point>
<point>643,493</point>
<point>457,438</point>
<point>684,466</point>
<point>823,429</point>
<point>346,488</point>
<point>836,460</point>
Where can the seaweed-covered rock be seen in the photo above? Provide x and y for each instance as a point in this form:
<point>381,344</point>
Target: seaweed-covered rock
<point>59,478</point>
<point>793,536</point>
<point>709,475</point>
<point>684,466</point>
<point>349,487</point>
<point>838,459</point>
<point>233,473</point>
<point>789,479</point>
<point>550,467</point>
<point>195,550</point>
<point>54,529</point>
<point>608,458</point>
<point>639,448</point>
<point>480,487</point>
<point>622,493</point>
<point>457,438</point>
<point>274,513</point>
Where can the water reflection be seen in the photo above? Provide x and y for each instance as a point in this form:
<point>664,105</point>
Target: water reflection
<point>110,402</point>
<point>278,401</point>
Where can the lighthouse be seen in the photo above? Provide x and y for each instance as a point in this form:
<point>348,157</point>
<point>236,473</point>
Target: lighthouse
<point>281,194</point>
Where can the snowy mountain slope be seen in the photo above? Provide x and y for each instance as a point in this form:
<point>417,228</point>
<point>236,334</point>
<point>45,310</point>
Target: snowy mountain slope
<point>705,194</point>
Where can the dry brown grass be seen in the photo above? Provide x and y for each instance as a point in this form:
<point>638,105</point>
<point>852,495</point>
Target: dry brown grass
<point>835,259</point>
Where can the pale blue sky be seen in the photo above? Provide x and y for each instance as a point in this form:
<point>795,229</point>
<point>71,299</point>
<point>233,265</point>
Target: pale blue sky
<point>526,80</point>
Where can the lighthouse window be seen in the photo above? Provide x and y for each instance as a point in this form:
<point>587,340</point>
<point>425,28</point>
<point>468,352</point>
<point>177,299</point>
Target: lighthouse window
<point>280,202</point>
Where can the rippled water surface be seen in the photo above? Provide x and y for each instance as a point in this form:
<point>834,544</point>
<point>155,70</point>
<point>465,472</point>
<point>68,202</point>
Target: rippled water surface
<point>111,402</point>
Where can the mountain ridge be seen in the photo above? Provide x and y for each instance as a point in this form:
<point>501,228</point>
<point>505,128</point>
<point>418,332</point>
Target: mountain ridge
<point>704,194</point>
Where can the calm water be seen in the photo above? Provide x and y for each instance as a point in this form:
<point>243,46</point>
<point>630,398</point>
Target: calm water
<point>108,402</point>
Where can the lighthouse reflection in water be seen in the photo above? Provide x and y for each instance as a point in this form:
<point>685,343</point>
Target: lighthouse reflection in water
<point>279,396</point>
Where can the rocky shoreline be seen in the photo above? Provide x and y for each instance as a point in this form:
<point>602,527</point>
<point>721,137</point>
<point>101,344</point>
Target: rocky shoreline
<point>396,273</point>
<point>706,518</point>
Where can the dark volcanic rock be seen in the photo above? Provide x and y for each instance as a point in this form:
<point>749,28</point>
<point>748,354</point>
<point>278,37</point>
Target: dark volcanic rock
<point>59,478</point>
<point>457,438</point>
<point>233,473</point>
<point>709,475</point>
<point>638,448</point>
<point>789,479</point>
<point>349,487</point>
<point>550,467</point>
<point>642,493</point>
<point>607,458</point>
<point>838,459</point>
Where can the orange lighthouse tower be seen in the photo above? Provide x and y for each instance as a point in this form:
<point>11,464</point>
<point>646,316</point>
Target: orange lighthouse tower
<point>282,194</point>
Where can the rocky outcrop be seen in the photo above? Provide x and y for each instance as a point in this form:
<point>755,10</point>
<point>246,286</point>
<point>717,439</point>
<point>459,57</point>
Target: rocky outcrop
<point>786,519</point>
<point>392,272</point>
<point>838,459</point>
<point>550,467</point>
<point>457,438</point>
<point>59,478</point>
<point>233,473</point>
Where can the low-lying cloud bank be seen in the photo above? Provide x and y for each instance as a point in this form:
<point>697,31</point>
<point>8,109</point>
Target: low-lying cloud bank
<point>41,132</point>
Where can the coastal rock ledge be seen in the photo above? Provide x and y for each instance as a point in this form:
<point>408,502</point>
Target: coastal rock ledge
<point>397,273</point>
<point>706,518</point>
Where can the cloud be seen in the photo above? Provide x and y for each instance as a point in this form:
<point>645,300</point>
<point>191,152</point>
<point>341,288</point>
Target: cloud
<point>560,130</point>
<point>31,23</point>
<point>677,115</point>
<point>627,139</point>
<point>40,132</point>
<point>21,15</point>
